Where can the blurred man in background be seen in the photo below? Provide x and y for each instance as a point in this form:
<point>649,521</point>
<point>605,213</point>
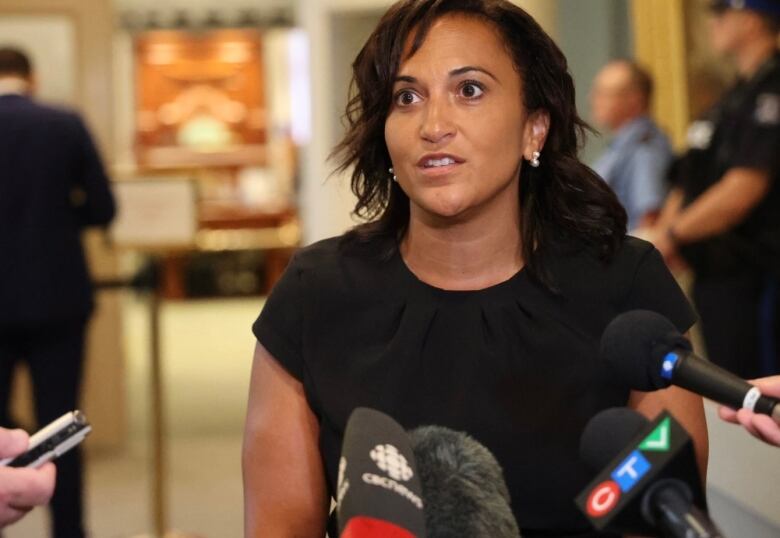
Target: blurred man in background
<point>637,159</point>
<point>723,217</point>
<point>52,185</point>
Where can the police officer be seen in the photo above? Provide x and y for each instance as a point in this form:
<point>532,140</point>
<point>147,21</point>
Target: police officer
<point>723,217</point>
<point>639,154</point>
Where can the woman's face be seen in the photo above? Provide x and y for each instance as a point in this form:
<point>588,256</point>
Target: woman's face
<point>457,130</point>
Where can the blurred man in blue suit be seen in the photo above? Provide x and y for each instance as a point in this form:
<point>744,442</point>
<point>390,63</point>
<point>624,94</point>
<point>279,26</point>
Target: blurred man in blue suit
<point>52,185</point>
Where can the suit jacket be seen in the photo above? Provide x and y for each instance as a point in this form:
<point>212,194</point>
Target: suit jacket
<point>52,185</point>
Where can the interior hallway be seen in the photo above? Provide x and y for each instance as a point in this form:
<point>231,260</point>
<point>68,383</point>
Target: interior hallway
<point>207,352</point>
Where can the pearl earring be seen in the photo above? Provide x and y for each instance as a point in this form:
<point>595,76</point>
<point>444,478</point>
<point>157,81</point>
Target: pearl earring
<point>535,159</point>
<point>392,173</point>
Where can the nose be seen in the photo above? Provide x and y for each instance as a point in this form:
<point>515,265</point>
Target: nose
<point>438,123</point>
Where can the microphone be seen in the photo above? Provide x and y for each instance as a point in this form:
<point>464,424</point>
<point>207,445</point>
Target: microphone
<point>648,480</point>
<point>379,494</point>
<point>646,352</point>
<point>462,484</point>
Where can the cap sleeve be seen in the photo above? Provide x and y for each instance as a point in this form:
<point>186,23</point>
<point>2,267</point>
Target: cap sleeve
<point>654,288</point>
<point>279,326</point>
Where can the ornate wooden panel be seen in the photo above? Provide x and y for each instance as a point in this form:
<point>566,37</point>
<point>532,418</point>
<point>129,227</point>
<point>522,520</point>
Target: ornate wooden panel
<point>200,98</point>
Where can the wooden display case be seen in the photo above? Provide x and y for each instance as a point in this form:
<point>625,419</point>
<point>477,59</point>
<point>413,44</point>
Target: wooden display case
<point>201,112</point>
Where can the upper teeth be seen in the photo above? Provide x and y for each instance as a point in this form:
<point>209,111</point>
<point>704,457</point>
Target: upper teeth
<point>440,162</point>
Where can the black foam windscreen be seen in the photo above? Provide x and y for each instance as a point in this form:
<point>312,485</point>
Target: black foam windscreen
<point>463,486</point>
<point>634,345</point>
<point>379,484</point>
<point>607,433</point>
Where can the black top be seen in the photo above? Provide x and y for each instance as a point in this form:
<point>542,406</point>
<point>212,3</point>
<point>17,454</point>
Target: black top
<point>52,184</point>
<point>741,131</point>
<point>513,365</point>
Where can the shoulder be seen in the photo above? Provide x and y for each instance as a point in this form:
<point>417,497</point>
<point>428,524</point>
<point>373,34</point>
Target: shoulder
<point>636,277</point>
<point>52,117</point>
<point>334,251</point>
<point>317,254</point>
<point>53,111</point>
<point>629,253</point>
<point>653,140</point>
<point>765,101</point>
<point>337,264</point>
<point>580,271</point>
<point>633,252</point>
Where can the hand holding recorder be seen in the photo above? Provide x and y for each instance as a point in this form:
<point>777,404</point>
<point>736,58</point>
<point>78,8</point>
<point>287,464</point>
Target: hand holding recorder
<point>27,476</point>
<point>21,489</point>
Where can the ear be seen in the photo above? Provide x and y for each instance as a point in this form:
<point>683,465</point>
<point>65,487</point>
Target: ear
<point>32,85</point>
<point>536,128</point>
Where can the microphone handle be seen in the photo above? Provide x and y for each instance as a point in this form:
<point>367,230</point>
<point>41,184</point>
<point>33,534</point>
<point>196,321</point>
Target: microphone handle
<point>676,515</point>
<point>711,381</point>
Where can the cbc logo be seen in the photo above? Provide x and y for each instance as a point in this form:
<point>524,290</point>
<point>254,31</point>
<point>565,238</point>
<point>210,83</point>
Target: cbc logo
<point>603,498</point>
<point>391,461</point>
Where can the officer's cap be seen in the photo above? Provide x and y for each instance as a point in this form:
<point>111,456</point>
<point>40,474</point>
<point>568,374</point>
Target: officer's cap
<point>771,7</point>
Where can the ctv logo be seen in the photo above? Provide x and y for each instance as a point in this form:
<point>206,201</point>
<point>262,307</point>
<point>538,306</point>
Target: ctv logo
<point>606,495</point>
<point>629,472</point>
<point>603,499</point>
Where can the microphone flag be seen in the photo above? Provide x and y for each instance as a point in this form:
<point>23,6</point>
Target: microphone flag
<point>616,499</point>
<point>379,493</point>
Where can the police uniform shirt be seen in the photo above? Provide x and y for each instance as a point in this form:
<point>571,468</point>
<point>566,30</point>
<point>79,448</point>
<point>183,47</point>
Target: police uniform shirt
<point>742,131</point>
<point>635,165</point>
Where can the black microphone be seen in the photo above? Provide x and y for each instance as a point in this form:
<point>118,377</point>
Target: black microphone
<point>462,484</point>
<point>646,352</point>
<point>379,494</point>
<point>648,481</point>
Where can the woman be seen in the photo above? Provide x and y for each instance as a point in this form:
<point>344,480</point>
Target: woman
<point>475,296</point>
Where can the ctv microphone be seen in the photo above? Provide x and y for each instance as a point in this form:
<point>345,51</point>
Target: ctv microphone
<point>648,480</point>
<point>379,494</point>
<point>646,352</point>
<point>463,486</point>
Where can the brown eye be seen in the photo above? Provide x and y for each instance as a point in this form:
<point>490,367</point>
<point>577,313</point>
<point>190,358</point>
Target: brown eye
<point>406,98</point>
<point>471,90</point>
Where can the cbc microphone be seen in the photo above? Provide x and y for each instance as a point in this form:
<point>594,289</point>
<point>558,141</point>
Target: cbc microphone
<point>648,480</point>
<point>463,486</point>
<point>379,494</point>
<point>646,352</point>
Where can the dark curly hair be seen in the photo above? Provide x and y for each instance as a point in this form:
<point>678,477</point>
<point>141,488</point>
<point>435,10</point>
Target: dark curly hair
<point>561,201</point>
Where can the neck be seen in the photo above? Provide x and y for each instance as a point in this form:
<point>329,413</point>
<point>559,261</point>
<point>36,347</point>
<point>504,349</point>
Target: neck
<point>476,252</point>
<point>13,85</point>
<point>753,54</point>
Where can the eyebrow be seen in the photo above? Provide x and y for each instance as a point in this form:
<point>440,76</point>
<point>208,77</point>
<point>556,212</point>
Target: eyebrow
<point>454,73</point>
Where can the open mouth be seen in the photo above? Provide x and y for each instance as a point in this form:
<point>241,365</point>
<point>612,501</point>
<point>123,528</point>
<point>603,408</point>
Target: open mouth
<point>438,162</point>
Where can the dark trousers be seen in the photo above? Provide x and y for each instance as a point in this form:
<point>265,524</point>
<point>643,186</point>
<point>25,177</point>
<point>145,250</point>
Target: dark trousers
<point>739,322</point>
<point>54,354</point>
